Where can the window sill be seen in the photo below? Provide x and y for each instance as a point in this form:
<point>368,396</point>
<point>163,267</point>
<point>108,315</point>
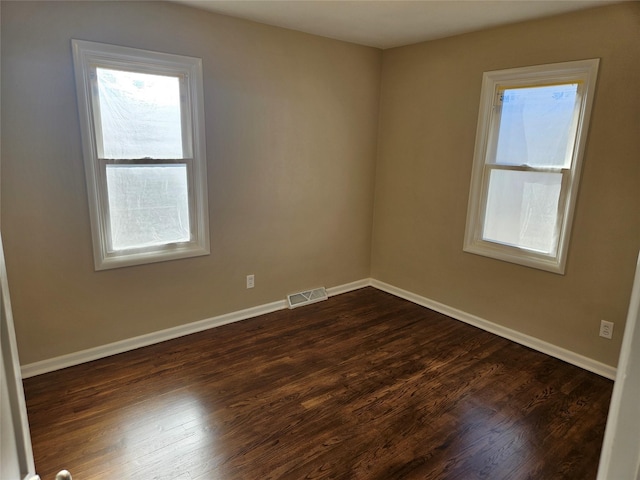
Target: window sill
<point>163,254</point>
<point>516,255</point>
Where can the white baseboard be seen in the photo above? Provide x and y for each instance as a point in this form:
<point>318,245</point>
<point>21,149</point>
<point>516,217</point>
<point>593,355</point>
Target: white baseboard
<point>565,355</point>
<point>82,356</point>
<point>76,358</point>
<point>349,287</point>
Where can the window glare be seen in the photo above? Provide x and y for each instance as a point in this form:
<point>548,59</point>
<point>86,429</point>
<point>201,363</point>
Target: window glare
<point>148,205</point>
<point>537,126</point>
<point>140,115</point>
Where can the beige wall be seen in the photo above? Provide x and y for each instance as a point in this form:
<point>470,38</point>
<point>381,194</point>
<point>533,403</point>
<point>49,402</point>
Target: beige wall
<point>429,107</point>
<point>292,137</point>
<point>291,122</point>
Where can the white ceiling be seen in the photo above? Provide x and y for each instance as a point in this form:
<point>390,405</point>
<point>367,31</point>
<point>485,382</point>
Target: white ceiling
<point>391,23</point>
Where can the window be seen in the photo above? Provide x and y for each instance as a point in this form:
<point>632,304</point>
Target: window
<point>532,129</point>
<point>142,125</point>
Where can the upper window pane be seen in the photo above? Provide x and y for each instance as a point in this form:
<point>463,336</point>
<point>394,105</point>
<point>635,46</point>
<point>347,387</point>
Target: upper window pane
<point>537,126</point>
<point>140,115</point>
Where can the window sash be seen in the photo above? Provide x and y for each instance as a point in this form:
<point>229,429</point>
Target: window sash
<point>105,206</point>
<point>186,111</point>
<point>497,114</point>
<point>560,212</point>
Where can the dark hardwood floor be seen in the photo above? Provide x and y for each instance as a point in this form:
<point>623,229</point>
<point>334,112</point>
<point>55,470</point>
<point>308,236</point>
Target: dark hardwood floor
<point>362,386</point>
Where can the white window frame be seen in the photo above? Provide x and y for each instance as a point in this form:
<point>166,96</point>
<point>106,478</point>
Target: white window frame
<point>584,72</point>
<point>87,57</point>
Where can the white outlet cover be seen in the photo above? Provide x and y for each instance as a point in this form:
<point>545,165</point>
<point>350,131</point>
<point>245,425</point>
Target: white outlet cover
<point>606,329</point>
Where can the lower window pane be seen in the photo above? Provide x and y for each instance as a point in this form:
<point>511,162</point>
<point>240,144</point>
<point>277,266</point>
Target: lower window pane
<point>522,209</point>
<point>148,205</point>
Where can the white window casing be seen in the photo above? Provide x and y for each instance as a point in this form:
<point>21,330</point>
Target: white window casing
<point>505,190</point>
<point>189,172</point>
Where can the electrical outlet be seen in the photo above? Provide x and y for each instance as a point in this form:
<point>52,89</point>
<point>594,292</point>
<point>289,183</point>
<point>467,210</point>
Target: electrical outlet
<point>606,329</point>
<point>251,281</point>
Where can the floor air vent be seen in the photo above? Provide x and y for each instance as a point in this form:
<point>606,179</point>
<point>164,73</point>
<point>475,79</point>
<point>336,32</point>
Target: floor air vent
<point>305,298</point>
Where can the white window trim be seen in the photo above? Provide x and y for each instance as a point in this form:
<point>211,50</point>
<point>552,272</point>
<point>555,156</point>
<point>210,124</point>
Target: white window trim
<point>88,55</point>
<point>584,71</point>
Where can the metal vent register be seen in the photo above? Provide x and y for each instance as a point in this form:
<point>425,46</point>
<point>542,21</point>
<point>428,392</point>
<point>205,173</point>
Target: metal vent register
<point>305,298</point>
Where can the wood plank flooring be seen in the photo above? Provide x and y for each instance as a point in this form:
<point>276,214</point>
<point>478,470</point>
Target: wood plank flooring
<point>362,386</point>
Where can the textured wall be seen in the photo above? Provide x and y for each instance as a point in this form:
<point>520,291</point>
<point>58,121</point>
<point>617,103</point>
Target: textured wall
<point>291,125</point>
<point>429,108</point>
